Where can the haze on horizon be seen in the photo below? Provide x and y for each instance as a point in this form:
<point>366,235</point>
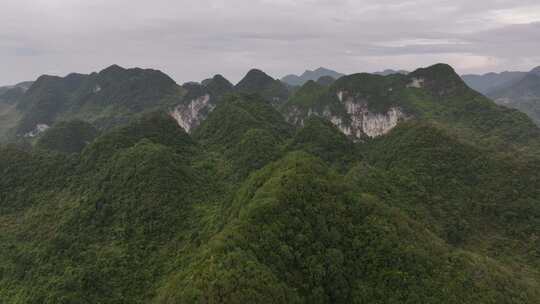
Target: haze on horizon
<point>192,40</point>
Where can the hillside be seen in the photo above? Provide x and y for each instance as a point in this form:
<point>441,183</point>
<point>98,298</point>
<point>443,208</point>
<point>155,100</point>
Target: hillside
<point>370,189</point>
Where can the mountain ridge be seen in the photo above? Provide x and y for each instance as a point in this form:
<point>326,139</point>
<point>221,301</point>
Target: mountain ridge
<point>251,209</point>
<point>295,80</point>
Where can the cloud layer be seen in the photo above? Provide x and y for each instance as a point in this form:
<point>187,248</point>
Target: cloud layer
<point>192,40</point>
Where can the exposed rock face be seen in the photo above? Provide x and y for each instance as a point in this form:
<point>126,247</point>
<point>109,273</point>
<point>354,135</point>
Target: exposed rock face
<point>416,83</point>
<point>374,125</point>
<point>40,128</point>
<point>359,121</point>
<point>189,116</point>
<point>363,121</point>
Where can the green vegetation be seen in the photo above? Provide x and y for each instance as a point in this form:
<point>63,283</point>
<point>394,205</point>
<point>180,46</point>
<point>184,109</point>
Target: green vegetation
<point>257,82</point>
<point>67,137</point>
<point>106,99</point>
<point>250,209</point>
<point>440,96</point>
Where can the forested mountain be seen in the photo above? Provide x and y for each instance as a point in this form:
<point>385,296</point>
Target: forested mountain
<point>406,188</point>
<point>258,82</point>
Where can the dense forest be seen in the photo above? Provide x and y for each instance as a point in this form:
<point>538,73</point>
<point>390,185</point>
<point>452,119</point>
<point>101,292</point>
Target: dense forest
<point>251,207</point>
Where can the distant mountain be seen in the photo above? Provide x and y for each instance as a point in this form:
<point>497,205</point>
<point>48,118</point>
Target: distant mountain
<point>295,80</point>
<point>9,94</point>
<point>491,81</point>
<point>9,115</point>
<point>522,94</point>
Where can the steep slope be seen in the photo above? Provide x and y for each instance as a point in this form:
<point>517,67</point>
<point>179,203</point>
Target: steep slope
<point>361,105</point>
<point>257,82</point>
<point>200,100</point>
<point>295,80</point>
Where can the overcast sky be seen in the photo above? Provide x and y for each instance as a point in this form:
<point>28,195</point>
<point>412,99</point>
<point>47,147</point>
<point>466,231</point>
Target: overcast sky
<point>192,40</point>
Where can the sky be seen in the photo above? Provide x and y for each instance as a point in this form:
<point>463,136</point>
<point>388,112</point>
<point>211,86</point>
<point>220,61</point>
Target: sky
<point>193,40</point>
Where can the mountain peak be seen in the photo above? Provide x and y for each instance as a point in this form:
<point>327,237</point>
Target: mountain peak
<point>324,70</point>
<point>113,69</point>
<point>439,71</point>
<point>257,73</point>
<point>254,78</point>
<point>218,85</point>
<point>258,82</point>
<point>440,78</point>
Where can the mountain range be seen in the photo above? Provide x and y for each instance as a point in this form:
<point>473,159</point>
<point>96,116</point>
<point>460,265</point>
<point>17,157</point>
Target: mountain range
<point>323,74</point>
<point>295,80</point>
<point>122,186</point>
<point>519,90</point>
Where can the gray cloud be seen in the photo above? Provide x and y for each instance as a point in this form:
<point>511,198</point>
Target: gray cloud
<point>191,40</point>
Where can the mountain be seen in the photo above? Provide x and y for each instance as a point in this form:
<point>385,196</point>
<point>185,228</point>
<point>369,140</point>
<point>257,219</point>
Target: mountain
<point>105,99</point>
<point>295,80</point>
<point>9,94</point>
<point>492,81</point>
<point>368,189</point>
<point>200,100</point>
<point>258,82</point>
<point>9,116</point>
<point>251,209</point>
<point>365,106</point>
<point>522,94</point>
<point>109,98</point>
